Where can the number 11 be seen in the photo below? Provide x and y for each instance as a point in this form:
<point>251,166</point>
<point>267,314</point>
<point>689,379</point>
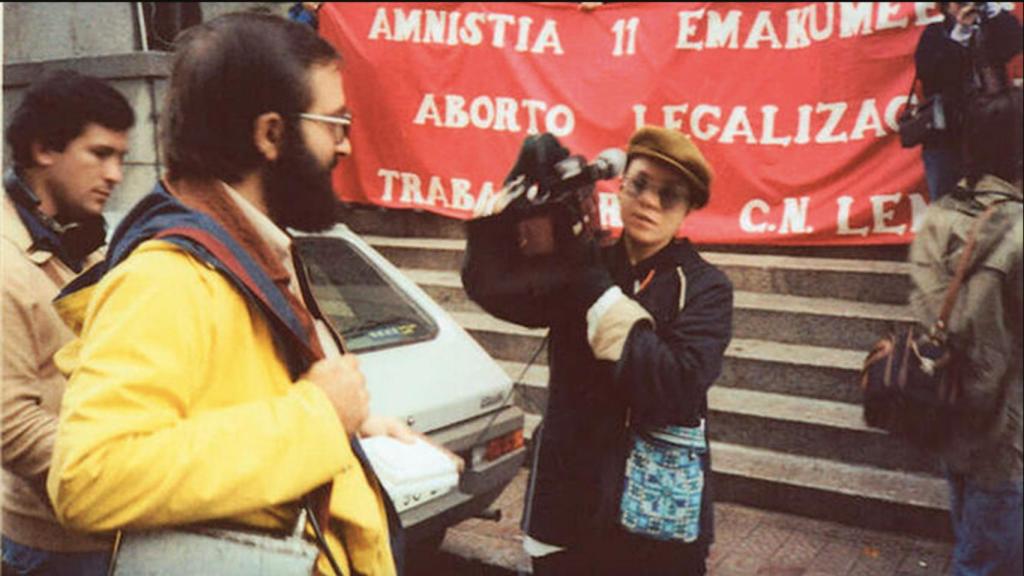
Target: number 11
<point>622,27</point>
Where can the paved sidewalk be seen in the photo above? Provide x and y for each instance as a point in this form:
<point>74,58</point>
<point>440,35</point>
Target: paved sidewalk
<point>749,542</point>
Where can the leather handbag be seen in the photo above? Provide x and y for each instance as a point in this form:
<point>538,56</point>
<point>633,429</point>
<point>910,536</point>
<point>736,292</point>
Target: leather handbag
<point>910,381</point>
<point>921,119</point>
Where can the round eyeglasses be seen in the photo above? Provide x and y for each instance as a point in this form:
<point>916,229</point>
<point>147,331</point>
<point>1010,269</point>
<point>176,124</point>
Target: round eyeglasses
<point>670,195</point>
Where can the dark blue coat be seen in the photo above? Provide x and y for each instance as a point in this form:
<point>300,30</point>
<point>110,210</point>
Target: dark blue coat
<point>662,378</point>
<point>946,67</point>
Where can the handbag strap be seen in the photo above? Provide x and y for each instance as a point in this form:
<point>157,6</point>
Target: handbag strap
<point>961,270</point>
<point>912,84</point>
<point>682,304</point>
<point>310,512</point>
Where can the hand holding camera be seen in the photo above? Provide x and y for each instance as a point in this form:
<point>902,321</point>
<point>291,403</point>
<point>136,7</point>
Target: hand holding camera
<point>532,176</point>
<point>967,15</point>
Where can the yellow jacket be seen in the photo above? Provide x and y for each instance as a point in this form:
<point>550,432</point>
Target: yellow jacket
<point>179,409</point>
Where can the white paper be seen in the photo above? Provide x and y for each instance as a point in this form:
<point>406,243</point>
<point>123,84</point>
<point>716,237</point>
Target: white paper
<point>411,473</point>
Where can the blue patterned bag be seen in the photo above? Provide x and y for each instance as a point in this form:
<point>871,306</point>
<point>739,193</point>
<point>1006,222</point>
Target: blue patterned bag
<point>664,483</point>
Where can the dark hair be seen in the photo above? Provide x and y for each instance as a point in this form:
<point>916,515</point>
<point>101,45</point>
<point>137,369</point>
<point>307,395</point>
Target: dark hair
<point>993,136</point>
<point>227,72</point>
<point>56,109</point>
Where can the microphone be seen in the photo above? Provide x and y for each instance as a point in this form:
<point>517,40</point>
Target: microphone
<point>574,172</point>
<point>608,164</point>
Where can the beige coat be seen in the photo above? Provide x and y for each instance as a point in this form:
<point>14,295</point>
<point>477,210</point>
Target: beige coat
<point>32,387</point>
<point>986,324</point>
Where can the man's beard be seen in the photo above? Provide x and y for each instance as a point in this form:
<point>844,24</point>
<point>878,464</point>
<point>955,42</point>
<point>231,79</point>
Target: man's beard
<point>298,188</point>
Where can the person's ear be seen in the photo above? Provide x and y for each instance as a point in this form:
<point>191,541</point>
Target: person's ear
<point>41,155</point>
<point>267,134</point>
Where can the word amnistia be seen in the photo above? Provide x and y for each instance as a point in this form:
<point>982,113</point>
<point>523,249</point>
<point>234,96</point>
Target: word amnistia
<point>471,29</point>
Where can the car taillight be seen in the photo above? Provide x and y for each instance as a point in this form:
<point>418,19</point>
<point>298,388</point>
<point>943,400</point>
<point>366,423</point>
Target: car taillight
<point>502,445</point>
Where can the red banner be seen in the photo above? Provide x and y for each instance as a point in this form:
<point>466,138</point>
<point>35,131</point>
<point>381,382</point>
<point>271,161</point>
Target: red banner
<point>794,105</point>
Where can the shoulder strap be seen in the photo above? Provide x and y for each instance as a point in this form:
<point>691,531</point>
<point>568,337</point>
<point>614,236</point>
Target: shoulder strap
<point>282,308</point>
<point>913,83</point>
<point>963,265</point>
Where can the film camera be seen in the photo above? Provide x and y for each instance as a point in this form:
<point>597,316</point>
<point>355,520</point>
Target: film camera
<point>546,225</point>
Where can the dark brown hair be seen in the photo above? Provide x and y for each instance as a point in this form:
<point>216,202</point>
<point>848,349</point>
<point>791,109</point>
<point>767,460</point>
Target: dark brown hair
<point>993,135</point>
<point>227,72</point>
<point>56,109</point>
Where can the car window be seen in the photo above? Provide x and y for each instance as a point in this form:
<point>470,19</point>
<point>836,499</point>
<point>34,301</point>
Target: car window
<point>358,299</point>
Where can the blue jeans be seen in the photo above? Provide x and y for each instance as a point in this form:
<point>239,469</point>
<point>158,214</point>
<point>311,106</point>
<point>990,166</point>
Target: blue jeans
<point>987,524</point>
<point>20,560</point>
<point>942,170</point>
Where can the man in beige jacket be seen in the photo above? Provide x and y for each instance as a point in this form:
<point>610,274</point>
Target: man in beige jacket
<point>68,140</point>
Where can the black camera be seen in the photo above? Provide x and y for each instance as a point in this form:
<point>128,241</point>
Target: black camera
<point>519,259</point>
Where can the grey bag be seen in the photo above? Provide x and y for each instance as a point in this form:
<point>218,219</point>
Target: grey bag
<point>215,551</point>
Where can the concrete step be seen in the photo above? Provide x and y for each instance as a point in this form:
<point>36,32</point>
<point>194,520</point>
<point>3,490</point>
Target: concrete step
<point>822,322</point>
<point>845,279</point>
<point>380,221</point>
<point>503,340</point>
<point>784,423</point>
<point>854,494</point>
<point>420,253</point>
<point>818,429</point>
<point>825,322</point>
<point>808,371</point>
<point>764,366</point>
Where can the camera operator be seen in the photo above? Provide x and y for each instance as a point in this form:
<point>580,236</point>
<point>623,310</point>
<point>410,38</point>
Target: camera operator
<point>637,336</point>
<point>945,60</point>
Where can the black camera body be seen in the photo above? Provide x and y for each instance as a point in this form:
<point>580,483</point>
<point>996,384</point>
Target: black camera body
<point>518,261</point>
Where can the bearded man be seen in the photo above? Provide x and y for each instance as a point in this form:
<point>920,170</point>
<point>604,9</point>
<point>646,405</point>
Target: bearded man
<point>205,385</point>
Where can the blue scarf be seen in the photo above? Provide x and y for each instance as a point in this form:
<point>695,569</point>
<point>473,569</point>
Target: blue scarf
<point>71,243</point>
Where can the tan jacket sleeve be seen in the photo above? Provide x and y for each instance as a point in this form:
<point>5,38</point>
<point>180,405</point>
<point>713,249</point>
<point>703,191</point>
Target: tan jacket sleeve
<point>28,427</point>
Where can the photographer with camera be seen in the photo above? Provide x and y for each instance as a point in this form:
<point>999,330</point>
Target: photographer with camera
<point>972,36</point>
<point>638,331</point>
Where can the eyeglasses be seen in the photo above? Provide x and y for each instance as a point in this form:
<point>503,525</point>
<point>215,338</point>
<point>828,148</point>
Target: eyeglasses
<point>340,126</point>
<point>670,195</point>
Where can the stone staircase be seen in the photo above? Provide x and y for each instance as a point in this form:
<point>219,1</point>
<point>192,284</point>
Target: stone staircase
<point>786,427</point>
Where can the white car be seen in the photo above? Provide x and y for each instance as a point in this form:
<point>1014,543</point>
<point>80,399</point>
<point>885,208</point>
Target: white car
<point>422,368</point>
